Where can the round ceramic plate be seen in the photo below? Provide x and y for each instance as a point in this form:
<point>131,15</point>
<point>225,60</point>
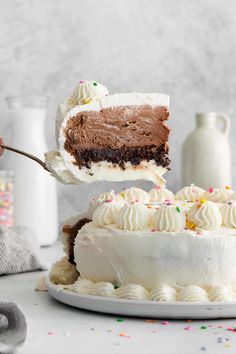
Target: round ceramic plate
<point>147,309</point>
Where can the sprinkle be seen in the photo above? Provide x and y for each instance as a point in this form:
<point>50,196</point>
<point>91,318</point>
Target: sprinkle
<point>210,190</point>
<point>119,320</point>
<point>227,187</point>
<point>189,321</point>
<point>108,200</point>
<point>188,328</point>
<point>51,333</point>
<point>153,230</point>
<point>81,81</point>
<point>95,83</point>
<point>91,329</point>
<point>122,194</point>
<point>150,321</point>
<point>203,348</point>
<point>178,209</point>
<point>157,187</point>
<point>87,100</point>
<point>227,345</point>
<point>204,327</point>
<point>230,328</point>
<point>122,334</point>
<point>165,323</point>
<point>202,200</point>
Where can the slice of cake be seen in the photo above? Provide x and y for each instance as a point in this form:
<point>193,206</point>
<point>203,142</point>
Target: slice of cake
<point>111,137</point>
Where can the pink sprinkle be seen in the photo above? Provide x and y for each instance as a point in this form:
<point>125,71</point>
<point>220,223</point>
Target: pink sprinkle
<point>51,333</point>
<point>153,230</point>
<point>165,323</point>
<point>230,329</point>
<point>108,200</point>
<point>188,328</point>
<point>157,187</point>
<point>210,190</point>
<point>81,81</point>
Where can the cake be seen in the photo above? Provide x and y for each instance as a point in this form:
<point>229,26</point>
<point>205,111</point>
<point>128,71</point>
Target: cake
<point>134,244</point>
<point>110,137</point>
<point>167,250</point>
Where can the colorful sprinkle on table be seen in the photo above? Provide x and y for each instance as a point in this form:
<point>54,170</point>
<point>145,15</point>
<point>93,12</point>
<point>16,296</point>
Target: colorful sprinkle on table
<point>165,323</point>
<point>204,327</point>
<point>227,187</point>
<point>210,190</point>
<point>120,320</point>
<point>178,209</point>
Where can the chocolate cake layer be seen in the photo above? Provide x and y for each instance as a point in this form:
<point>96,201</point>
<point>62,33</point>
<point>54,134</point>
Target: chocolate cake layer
<point>133,155</point>
<point>119,134</point>
<point>72,232</point>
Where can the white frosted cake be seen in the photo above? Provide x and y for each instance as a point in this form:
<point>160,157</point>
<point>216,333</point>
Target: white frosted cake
<point>156,246</point>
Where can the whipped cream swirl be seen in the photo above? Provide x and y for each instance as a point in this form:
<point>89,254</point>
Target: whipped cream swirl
<point>192,293</point>
<point>169,218</point>
<point>132,292</point>
<point>106,214</point>
<point>221,293</point>
<point>163,293</point>
<point>218,195</point>
<point>191,193</point>
<point>205,215</point>
<point>134,194</point>
<point>228,212</point>
<point>133,217</point>
<point>160,194</point>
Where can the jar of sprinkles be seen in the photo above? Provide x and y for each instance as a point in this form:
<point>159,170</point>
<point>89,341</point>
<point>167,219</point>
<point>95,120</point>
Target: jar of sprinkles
<point>6,198</point>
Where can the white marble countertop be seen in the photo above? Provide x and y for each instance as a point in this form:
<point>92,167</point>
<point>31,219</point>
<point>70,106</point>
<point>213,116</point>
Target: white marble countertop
<point>57,328</point>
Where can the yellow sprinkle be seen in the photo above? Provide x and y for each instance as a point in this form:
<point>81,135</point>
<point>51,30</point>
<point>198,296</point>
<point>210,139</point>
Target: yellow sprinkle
<point>122,194</point>
<point>87,100</point>
<point>203,200</point>
<point>227,187</point>
<point>190,225</point>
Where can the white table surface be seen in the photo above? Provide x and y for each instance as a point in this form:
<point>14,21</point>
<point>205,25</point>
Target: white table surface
<point>56,328</point>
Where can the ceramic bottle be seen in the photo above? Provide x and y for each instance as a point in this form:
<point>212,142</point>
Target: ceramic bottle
<point>206,157</point>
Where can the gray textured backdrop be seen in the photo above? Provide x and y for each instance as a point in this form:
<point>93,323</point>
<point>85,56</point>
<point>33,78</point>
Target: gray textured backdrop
<point>185,48</point>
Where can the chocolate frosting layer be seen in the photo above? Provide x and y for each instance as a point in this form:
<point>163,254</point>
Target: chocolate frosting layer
<point>117,127</point>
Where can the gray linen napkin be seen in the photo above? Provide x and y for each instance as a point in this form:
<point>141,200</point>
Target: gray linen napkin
<point>12,327</point>
<point>19,250</point>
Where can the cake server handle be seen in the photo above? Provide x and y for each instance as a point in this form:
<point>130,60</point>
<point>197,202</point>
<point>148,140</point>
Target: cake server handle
<point>26,154</point>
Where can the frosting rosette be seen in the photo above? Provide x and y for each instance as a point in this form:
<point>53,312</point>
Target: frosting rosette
<point>205,215</point>
<point>160,194</point>
<point>106,214</point>
<point>218,195</point>
<point>228,212</point>
<point>133,217</point>
<point>86,91</point>
<point>192,293</point>
<point>169,218</point>
<point>191,193</point>
<point>107,197</point>
<point>135,194</point>
<point>164,293</point>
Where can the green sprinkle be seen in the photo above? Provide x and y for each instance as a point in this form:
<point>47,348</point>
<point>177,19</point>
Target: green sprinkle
<point>204,327</point>
<point>119,320</point>
<point>178,209</point>
<point>95,83</point>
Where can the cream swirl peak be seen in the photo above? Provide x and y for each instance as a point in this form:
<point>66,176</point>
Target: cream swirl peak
<point>160,194</point>
<point>228,212</point>
<point>218,195</point>
<point>135,194</point>
<point>191,193</point>
<point>133,217</point>
<point>106,213</point>
<point>205,215</point>
<point>169,218</point>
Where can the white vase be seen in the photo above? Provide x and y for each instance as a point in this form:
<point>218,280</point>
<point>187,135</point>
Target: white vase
<point>206,158</point>
<point>35,191</point>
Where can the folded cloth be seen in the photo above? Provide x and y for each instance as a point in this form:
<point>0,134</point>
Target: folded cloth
<point>12,327</point>
<point>19,250</point>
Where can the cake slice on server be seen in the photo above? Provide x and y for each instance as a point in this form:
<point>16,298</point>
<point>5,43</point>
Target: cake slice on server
<point>111,137</point>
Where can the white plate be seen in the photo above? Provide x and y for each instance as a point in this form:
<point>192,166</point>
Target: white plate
<point>147,309</point>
